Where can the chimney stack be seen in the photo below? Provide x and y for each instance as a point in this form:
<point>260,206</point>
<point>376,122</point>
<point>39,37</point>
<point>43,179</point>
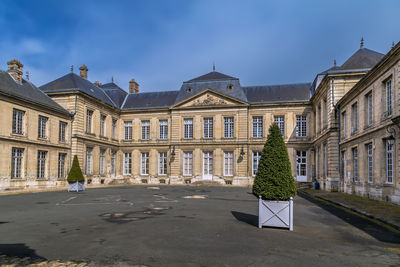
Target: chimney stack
<point>97,83</point>
<point>133,87</point>
<point>15,69</point>
<point>83,71</point>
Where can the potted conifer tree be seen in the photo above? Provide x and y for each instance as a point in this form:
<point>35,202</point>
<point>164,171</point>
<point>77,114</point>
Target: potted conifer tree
<point>76,181</point>
<point>274,184</point>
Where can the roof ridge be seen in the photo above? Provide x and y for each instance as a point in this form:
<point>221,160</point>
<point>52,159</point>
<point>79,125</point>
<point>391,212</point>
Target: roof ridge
<point>302,83</point>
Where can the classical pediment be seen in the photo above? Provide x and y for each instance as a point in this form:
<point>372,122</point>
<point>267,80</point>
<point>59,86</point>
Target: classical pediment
<point>208,99</point>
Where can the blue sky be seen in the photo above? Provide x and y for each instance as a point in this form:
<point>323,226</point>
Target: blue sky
<point>163,43</point>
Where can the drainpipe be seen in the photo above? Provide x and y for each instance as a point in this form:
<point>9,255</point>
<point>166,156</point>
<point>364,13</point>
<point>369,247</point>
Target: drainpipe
<point>70,136</point>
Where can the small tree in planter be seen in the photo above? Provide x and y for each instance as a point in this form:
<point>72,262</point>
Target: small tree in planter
<point>274,184</point>
<point>76,181</point>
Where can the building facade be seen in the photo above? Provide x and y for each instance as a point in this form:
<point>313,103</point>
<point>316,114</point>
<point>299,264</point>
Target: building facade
<point>213,128</point>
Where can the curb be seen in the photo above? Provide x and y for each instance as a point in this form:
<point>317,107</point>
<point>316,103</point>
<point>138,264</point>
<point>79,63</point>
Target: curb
<point>393,225</point>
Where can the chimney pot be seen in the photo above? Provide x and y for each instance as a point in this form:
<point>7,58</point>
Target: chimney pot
<point>133,87</point>
<point>97,83</point>
<point>83,71</point>
<point>15,69</point>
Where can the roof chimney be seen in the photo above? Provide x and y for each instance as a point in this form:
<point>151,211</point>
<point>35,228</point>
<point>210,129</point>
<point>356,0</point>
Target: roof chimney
<point>133,87</point>
<point>83,71</point>
<point>15,69</point>
<point>97,83</point>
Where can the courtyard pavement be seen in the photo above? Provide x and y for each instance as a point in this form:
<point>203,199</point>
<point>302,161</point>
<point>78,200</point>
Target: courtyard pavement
<point>185,226</point>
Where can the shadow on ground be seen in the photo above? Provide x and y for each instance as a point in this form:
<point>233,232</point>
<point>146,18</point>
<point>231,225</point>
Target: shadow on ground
<point>19,251</point>
<point>375,230</point>
<point>245,217</point>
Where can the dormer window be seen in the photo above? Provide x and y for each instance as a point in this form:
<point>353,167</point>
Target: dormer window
<point>229,87</point>
<point>189,90</point>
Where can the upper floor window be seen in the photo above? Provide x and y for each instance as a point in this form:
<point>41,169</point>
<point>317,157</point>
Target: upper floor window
<point>62,131</point>
<point>17,121</point>
<point>389,97</point>
<point>188,128</point>
<point>344,123</point>
<point>280,121</point>
<point>228,127</point>
<point>389,161</point>
<point>354,120</point>
<point>325,112</point>
<point>301,125</point>
<point>208,128</point>
<point>163,129</point>
<point>369,109</point>
<point>319,118</point>
<point>113,128</point>
<point>42,126</point>
<point>102,125</point>
<point>257,126</point>
<point>128,130</point>
<point>89,115</point>
<point>145,130</point>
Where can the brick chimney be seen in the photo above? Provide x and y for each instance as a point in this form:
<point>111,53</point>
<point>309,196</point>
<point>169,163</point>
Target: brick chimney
<point>133,87</point>
<point>83,71</point>
<point>97,83</point>
<point>15,69</point>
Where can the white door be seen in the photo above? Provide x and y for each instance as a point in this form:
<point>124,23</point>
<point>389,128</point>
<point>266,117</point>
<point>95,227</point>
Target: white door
<point>301,166</point>
<point>207,165</point>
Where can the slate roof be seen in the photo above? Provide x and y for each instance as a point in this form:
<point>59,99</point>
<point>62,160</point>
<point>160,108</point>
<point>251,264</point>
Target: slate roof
<point>363,58</point>
<point>214,75</point>
<point>73,82</point>
<point>150,100</point>
<point>27,91</point>
<point>298,92</point>
<point>116,93</point>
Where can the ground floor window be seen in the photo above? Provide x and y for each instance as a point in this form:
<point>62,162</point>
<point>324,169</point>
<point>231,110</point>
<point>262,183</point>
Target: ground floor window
<point>127,168</point>
<point>228,163</point>
<point>89,160</point>
<point>208,165</point>
<point>113,162</point>
<point>61,165</point>
<point>389,161</point>
<point>187,163</point>
<point>102,160</point>
<point>144,163</point>
<point>41,164</point>
<point>301,163</point>
<point>162,163</point>
<point>355,164</point>
<point>344,164</point>
<point>256,161</point>
<point>369,163</point>
<point>16,162</point>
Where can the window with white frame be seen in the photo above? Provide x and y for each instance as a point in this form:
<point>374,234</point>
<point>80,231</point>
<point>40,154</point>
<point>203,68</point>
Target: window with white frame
<point>16,162</point>
<point>369,163</point>
<point>89,160</point>
<point>41,164</point>
<point>228,163</point>
<point>280,121</point>
<point>256,161</point>
<point>145,130</point>
<point>354,120</point>
<point>127,163</point>
<point>128,130</point>
<point>113,162</point>
<point>369,109</point>
<point>164,129</point>
<point>17,121</point>
<point>208,128</point>
<point>257,126</point>
<point>89,115</point>
<point>103,125</point>
<point>344,124</point>
<point>42,126</point>
<point>389,160</point>
<point>62,131</point>
<point>355,164</point>
<point>113,128</point>
<point>102,161</point>
<point>188,128</point>
<point>228,127</point>
<point>144,163</point>
<point>162,163</point>
<point>301,125</point>
<point>61,165</point>
<point>389,97</point>
<point>187,163</point>
<point>301,163</point>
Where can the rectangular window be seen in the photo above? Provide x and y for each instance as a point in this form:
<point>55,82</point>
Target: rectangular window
<point>354,121</point>
<point>102,125</point>
<point>301,163</point>
<point>144,163</point>
<point>301,125</point>
<point>369,163</point>
<point>127,168</point>
<point>389,97</point>
<point>61,131</point>
<point>113,162</point>
<point>162,163</point>
<point>280,121</point>
<point>102,161</point>
<point>228,127</point>
<point>258,126</point>
<point>16,163</point>
<point>128,130</point>
<point>319,162</point>
<point>389,161</point>
<point>369,109</point>
<point>41,164</point>
<point>17,121</point>
<point>187,163</point>
<point>228,163</point>
<point>325,160</point>
<point>42,123</point>
<point>61,165</point>
<point>344,164</point>
<point>355,164</point>
<point>325,113</point>
<point>89,160</point>
<point>163,129</point>
<point>113,128</point>
<point>89,114</point>
<point>344,124</point>
<point>188,128</point>
<point>256,161</point>
<point>145,130</point>
<point>208,128</point>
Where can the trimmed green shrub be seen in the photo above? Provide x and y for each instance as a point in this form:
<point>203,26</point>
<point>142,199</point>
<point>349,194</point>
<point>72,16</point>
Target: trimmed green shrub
<point>75,174</point>
<point>274,180</point>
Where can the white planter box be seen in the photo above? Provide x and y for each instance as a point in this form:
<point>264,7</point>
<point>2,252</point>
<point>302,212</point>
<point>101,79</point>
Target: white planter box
<point>275,213</point>
<point>76,187</point>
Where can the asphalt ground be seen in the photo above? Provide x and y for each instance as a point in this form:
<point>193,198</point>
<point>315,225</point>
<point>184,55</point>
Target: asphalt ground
<point>186,226</point>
